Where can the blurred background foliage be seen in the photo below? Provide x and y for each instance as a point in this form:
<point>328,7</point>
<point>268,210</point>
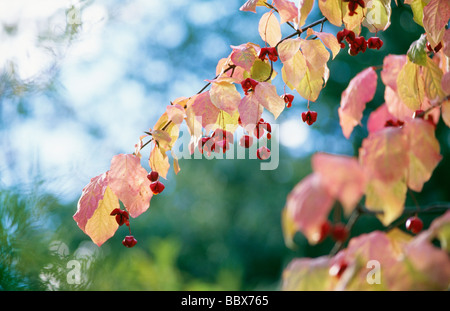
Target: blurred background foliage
<point>217,225</point>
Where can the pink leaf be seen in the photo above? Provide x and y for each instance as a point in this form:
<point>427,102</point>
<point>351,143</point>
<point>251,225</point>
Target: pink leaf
<point>128,179</point>
<point>203,109</point>
<point>446,40</point>
<point>250,5</point>
<point>377,119</point>
<point>267,96</point>
<point>244,55</point>
<point>225,96</point>
<point>435,16</point>
<point>423,152</point>
<point>96,203</point>
<point>383,154</point>
<point>392,64</point>
<point>308,206</point>
<point>288,10</point>
<point>250,111</point>
<point>269,28</point>
<point>396,106</point>
<point>359,92</point>
<point>89,199</point>
<point>342,177</point>
<point>176,114</point>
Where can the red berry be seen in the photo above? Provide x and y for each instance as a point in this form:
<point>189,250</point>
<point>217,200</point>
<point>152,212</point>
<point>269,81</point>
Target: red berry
<point>153,176</point>
<point>248,84</point>
<point>288,99</point>
<point>338,269</point>
<point>414,224</point>
<point>324,231</point>
<point>309,117</point>
<point>157,187</point>
<point>129,241</point>
<point>271,52</point>
<point>359,44</point>
<point>246,141</point>
<point>122,216</point>
<point>263,153</point>
<point>339,232</point>
<point>374,43</point>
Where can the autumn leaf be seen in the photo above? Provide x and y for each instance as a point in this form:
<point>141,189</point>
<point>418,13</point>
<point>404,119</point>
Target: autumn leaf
<point>359,92</point>
<point>128,179</point>
<point>201,113</point>
<point>342,177</point>
<point>97,195</point>
<point>308,206</point>
<point>308,274</point>
<point>410,86</point>
<point>288,48</point>
<point>250,5</point>
<point>392,65</point>
<point>244,55</point>
<point>250,111</point>
<point>432,77</point>
<point>102,226</point>
<point>378,117</point>
<point>423,152</point>
<point>328,39</point>
<point>331,9</point>
<point>266,94</point>
<point>304,8</point>
<point>224,96</point>
<point>396,106</point>
<point>269,29</point>
<point>294,70</point>
<point>159,161</point>
<point>435,17</point>
<point>288,10</point>
<point>378,15</point>
<point>383,154</point>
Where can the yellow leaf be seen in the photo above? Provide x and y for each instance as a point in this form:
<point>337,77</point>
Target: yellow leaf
<point>269,29</point>
<point>331,9</point>
<point>432,76</point>
<point>159,161</point>
<point>378,15</point>
<point>294,70</point>
<point>386,197</point>
<point>101,226</point>
<point>410,86</point>
<point>446,112</point>
<point>305,7</point>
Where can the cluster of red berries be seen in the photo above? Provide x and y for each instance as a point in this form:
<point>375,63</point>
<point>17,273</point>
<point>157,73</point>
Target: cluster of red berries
<point>353,6</point>
<point>261,128</point>
<point>249,84</point>
<point>357,44</point>
<point>309,117</point>
<point>272,53</point>
<point>156,186</point>
<point>337,231</point>
<point>219,140</point>
<point>122,217</point>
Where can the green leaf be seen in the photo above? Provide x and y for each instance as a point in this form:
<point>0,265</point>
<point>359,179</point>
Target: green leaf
<point>417,51</point>
<point>261,70</point>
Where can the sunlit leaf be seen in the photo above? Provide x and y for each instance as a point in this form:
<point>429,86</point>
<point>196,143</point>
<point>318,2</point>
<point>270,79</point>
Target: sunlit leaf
<point>435,17</point>
<point>304,8</point>
<point>308,274</point>
<point>288,48</point>
<point>342,177</point>
<point>288,10</point>
<point>266,94</point>
<point>244,55</point>
<point>308,205</point>
<point>331,9</point>
<point>251,5</point>
<point>378,15</point>
<point>159,161</point>
<point>417,53</point>
<point>392,65</point>
<point>383,154</point>
<point>201,113</point>
<point>294,70</point>
<point>378,117</point>
<point>359,92</point>
<point>128,180</point>
<point>102,226</point>
<point>432,77</point>
<point>269,28</point>
<point>410,86</point>
<point>423,152</point>
<point>225,96</point>
<point>250,111</point>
